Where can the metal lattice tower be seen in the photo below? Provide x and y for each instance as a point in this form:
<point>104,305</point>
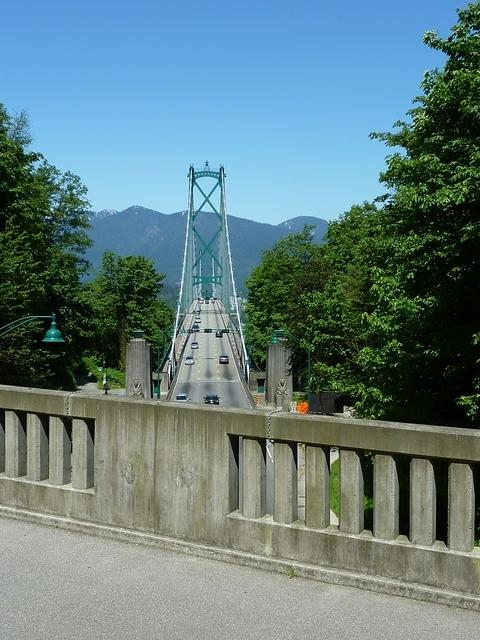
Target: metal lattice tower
<point>207,263</point>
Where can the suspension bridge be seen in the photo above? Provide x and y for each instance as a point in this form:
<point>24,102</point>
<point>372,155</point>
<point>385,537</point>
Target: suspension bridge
<point>208,359</point>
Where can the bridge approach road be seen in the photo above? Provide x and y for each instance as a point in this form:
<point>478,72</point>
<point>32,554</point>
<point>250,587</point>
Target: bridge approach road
<point>207,375</point>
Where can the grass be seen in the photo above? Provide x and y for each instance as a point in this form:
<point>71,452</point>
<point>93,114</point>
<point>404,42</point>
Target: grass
<point>335,491</point>
<point>291,573</point>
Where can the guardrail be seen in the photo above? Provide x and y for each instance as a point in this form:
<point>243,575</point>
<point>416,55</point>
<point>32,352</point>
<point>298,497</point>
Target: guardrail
<point>200,474</point>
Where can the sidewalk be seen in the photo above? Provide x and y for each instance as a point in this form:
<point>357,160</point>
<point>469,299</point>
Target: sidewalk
<point>59,585</point>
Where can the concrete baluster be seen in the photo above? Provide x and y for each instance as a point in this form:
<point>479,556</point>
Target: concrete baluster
<point>15,444</point>
<point>60,451</point>
<point>2,441</point>
<point>351,492</point>
<point>317,486</point>
<point>461,507</point>
<point>254,477</point>
<point>423,502</point>
<point>285,482</point>
<point>385,498</point>
<point>37,447</point>
<point>82,454</point>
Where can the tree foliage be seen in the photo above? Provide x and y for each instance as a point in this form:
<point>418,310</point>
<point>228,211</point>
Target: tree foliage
<point>43,217</point>
<point>123,297</point>
<point>390,314</point>
<point>275,286</point>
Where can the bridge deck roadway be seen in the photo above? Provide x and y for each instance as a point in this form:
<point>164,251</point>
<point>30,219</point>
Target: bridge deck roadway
<point>207,376</point>
<point>56,584</point>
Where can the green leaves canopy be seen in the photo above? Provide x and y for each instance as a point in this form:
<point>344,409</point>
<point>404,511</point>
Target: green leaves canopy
<point>391,312</point>
<point>123,297</point>
<point>43,217</point>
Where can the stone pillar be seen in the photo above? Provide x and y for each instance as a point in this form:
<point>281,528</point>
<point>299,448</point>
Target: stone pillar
<point>15,444</point>
<point>278,369</point>
<point>254,478</point>
<point>139,368</point>
<point>286,482</point>
<point>461,507</point>
<point>82,454</point>
<point>317,486</point>
<point>385,498</point>
<point>37,447</point>
<point>423,502</point>
<point>351,492</point>
<point>60,452</point>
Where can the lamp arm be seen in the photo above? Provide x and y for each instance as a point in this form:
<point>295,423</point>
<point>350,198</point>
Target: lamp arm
<point>19,322</point>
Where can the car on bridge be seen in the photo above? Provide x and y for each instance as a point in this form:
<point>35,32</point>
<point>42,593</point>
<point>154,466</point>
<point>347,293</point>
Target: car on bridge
<point>211,399</point>
<point>194,345</point>
<point>219,334</point>
<point>182,397</point>
<point>189,360</point>
<point>208,330</point>
<point>195,328</point>
<point>223,359</point>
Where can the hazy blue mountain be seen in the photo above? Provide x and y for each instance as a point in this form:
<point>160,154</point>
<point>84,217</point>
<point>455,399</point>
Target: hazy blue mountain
<point>141,231</point>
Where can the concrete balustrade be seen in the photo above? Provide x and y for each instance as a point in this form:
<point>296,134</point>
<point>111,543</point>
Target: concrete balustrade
<point>423,502</point>
<point>60,450</point>
<point>199,474</point>
<point>82,454</point>
<point>285,482</point>
<point>37,446</point>
<point>15,444</point>
<point>351,492</point>
<point>386,495</point>
<point>461,507</point>
<point>254,478</point>
<point>317,486</point>
<point>2,441</point>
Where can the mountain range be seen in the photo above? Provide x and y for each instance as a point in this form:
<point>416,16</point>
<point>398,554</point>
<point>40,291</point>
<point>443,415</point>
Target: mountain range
<point>160,236</point>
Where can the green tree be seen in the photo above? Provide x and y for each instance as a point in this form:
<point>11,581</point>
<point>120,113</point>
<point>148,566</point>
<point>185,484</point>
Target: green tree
<point>331,314</point>
<point>123,297</point>
<point>274,288</point>
<point>43,217</point>
<point>426,321</point>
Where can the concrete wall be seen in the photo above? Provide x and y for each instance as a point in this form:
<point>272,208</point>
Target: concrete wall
<point>178,471</point>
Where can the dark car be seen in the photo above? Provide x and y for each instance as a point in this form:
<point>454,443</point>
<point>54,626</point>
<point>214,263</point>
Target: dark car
<point>219,334</point>
<point>223,359</point>
<point>195,328</point>
<point>207,331</point>
<point>211,399</point>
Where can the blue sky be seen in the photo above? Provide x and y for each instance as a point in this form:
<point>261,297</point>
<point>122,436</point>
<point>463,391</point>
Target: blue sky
<point>284,94</point>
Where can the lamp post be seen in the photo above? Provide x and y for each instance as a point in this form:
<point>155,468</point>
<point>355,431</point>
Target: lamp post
<point>53,335</point>
<point>278,334</point>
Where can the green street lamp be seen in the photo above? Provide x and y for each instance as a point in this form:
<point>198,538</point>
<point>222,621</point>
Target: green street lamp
<point>277,337</point>
<point>53,334</point>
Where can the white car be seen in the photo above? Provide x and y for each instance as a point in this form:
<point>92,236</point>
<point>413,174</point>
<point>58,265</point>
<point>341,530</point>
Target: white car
<point>182,397</point>
<point>189,360</point>
<point>194,345</point>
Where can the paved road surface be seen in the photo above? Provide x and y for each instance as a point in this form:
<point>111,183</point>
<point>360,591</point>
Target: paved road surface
<point>61,585</point>
<point>207,376</point>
